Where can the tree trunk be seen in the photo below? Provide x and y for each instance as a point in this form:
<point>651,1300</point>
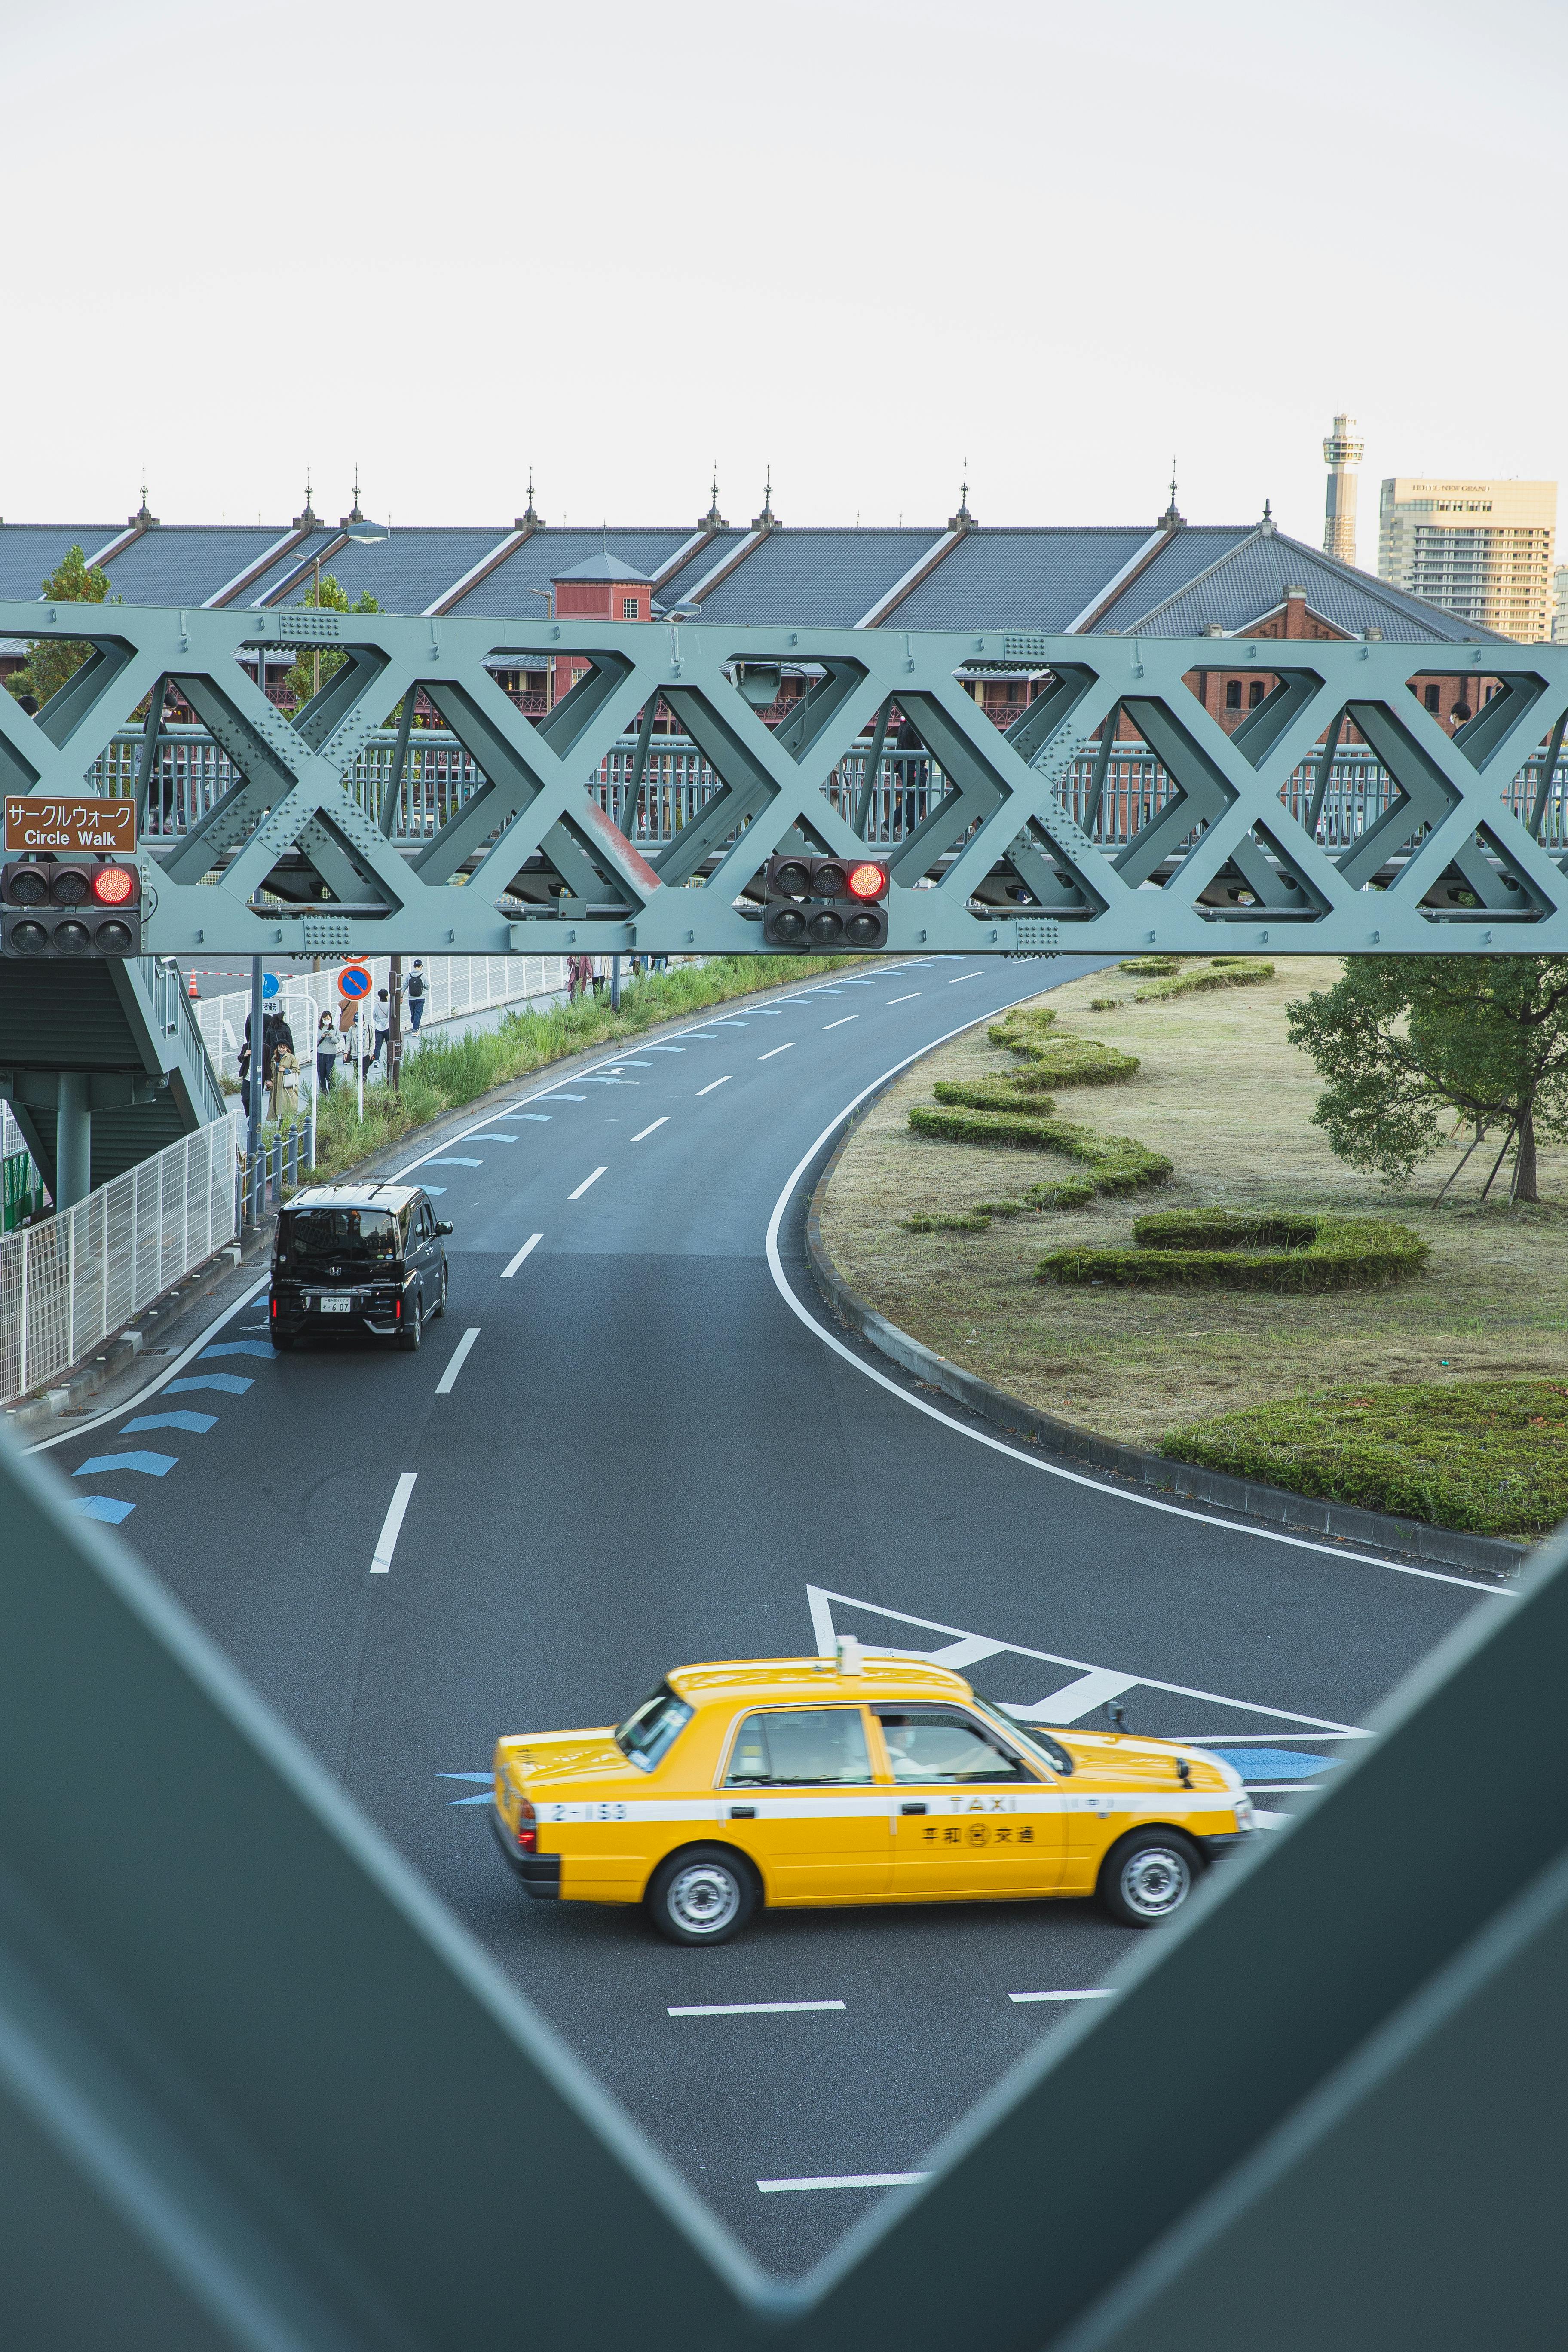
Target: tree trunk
<point>1524,1166</point>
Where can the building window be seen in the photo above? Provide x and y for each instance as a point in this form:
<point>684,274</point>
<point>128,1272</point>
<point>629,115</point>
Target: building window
<point>631,608</point>
<point>1433,698</point>
<point>1254,693</point>
<point>1233,694</point>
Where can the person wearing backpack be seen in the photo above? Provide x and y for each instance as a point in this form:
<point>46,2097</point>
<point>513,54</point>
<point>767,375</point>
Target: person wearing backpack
<point>415,993</point>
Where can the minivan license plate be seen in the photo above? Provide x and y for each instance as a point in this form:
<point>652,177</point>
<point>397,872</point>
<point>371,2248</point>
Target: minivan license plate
<point>336,1305</point>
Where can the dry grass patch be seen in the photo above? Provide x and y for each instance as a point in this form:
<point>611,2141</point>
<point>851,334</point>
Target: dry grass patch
<point>1226,1097</point>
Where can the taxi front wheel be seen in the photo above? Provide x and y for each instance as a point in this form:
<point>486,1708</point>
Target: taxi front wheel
<point>702,1895</point>
<point>1146,1878</point>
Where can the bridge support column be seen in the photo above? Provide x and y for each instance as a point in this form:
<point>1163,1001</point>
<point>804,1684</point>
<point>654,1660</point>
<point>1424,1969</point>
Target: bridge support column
<point>73,1139</point>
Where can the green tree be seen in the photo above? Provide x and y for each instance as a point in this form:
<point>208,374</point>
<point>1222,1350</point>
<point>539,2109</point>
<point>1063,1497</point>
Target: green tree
<point>1402,1040</point>
<point>330,594</point>
<point>51,660</point>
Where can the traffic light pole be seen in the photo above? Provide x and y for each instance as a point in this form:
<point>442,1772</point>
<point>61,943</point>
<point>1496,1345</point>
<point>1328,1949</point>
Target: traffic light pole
<point>257,1062</point>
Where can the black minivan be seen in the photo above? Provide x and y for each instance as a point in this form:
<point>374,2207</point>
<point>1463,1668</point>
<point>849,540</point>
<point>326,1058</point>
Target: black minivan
<point>358,1257</point>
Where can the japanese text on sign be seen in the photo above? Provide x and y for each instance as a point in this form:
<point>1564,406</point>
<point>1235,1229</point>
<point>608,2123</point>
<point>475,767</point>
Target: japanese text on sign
<point>34,823</point>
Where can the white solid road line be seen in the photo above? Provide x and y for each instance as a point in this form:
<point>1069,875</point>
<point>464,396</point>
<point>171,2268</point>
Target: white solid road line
<point>459,1358</point>
<point>1102,1992</point>
<point>392,1525</point>
<point>585,1185</point>
<point>160,1379</point>
<point>646,1131</point>
<point>848,2181</point>
<point>748,2007</point>
<point>708,1089</point>
<point>775,1049</point>
<point>530,1244</point>
<point>1000,1446</point>
<point>904,1000</point>
<point>839,1023</point>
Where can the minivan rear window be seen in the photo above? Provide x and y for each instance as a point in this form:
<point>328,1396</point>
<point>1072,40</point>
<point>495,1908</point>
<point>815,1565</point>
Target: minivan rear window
<point>337,1236</point>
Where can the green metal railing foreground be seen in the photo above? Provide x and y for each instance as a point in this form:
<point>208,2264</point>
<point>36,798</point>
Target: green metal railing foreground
<point>288,860</point>
<point>258,2089</point>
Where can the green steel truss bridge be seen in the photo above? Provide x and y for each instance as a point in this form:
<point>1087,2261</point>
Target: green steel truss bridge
<point>531,860</point>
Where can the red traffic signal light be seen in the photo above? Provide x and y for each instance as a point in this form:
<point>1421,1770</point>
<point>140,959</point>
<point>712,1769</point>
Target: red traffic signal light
<point>51,909</point>
<point>814,913</point>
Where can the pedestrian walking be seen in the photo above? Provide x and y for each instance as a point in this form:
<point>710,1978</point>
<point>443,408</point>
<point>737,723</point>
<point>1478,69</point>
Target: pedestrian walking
<point>597,969</point>
<point>579,970</point>
<point>383,1021</point>
<point>326,1051</point>
<point>417,994</point>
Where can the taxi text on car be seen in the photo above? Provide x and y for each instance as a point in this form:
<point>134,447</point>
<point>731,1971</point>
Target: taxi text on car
<point>852,1779</point>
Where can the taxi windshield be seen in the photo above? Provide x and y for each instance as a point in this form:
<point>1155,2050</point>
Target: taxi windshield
<point>322,1237</point>
<point>650,1730</point>
<point>1028,1734</point>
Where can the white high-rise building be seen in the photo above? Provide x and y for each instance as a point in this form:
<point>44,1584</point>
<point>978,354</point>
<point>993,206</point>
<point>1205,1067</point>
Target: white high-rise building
<point>1481,550</point>
<point>1342,455</point>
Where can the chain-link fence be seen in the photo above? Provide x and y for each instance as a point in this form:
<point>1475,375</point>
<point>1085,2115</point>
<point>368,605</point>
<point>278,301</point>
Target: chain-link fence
<point>67,1283</point>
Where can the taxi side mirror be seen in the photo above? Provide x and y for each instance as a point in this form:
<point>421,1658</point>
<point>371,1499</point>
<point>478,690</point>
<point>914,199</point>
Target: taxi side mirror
<point>442,1226</point>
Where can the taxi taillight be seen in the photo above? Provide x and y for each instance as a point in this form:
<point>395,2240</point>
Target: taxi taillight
<point>527,1829</point>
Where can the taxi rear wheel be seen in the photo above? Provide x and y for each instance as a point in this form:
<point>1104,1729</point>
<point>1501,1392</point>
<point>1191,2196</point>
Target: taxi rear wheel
<point>704,1894</point>
<point>1146,1878</point>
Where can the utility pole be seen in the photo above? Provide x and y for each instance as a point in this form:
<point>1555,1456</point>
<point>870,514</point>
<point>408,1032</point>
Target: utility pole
<point>394,1025</point>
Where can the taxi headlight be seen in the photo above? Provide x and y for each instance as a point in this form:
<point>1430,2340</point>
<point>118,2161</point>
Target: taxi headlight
<point>1244,1815</point>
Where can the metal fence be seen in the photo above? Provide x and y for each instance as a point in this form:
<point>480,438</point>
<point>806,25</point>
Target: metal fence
<point>676,784</point>
<point>67,1283</point>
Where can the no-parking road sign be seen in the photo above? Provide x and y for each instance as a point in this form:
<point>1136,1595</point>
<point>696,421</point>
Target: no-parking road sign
<point>353,982</point>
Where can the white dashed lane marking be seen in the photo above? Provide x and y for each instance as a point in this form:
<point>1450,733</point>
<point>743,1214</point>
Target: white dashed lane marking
<point>646,1131</point>
<point>775,1049</point>
<point>585,1185</point>
<point>708,1089</point>
<point>459,1356</point>
<point>1102,1992</point>
<point>530,1244</point>
<point>392,1525</point>
<point>839,1023</point>
<point>748,2008</point>
<point>847,2180</point>
<point>904,1000</point>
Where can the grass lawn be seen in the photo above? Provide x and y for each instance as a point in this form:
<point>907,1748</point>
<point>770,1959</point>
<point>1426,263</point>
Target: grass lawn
<point>1225,1095</point>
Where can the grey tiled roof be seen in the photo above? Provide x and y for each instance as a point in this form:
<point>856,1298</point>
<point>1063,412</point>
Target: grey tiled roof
<point>276,574</point>
<point>1250,578</point>
<point>709,556</point>
<point>186,563</point>
<point>409,571</point>
<point>544,555</point>
<point>1194,549</point>
<point>1020,578</point>
<point>29,551</point>
<point>820,579</point>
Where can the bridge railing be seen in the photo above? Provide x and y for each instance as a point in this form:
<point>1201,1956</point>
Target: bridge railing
<point>676,784</point>
<point>67,1283</point>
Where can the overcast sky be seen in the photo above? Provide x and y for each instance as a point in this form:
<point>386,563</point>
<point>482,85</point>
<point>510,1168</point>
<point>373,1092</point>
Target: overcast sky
<point>866,240</point>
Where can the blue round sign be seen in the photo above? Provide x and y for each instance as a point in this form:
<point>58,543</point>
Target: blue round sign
<point>353,981</point>
<point>269,985</point>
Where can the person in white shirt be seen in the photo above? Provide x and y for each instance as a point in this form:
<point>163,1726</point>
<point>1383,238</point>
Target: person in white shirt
<point>383,1023</point>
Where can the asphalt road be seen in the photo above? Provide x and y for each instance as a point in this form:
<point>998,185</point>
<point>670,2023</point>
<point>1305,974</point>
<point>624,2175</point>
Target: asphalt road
<point>650,1455</point>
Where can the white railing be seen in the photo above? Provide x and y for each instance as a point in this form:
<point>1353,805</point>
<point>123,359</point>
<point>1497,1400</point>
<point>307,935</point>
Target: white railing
<point>67,1283</point>
<point>454,985</point>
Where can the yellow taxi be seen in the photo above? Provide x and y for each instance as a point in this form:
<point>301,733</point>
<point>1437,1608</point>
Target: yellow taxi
<point>854,1778</point>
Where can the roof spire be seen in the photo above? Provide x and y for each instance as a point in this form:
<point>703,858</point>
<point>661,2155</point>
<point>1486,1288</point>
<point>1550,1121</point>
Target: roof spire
<point>714,520</point>
<point>1266,525</point>
<point>767,520</point>
<point>355,514</point>
<point>309,518</point>
<point>1173,519</point>
<point>962,520</point>
<point>528,519</point>
<point>142,517</point>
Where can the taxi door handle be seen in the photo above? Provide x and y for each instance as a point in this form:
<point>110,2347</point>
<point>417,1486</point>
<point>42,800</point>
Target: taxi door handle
<point>743,1812</point>
<point>911,1809</point>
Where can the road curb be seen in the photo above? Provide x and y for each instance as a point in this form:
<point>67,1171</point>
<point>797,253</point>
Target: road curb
<point>1347,1523</point>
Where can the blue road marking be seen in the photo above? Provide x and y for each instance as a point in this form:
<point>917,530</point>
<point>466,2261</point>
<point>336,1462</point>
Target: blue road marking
<point>542,1117</point>
<point>553,1097</point>
<point>102,1506</point>
<point>454,1160</point>
<point>262,1348</point>
<point>590,1080</point>
<point>666,1049</point>
<point>490,1135</point>
<point>1276,1763</point>
<point>634,1065</point>
<point>231,1383</point>
<point>485,1777</point>
<point>198,1423</point>
<point>155,1465</point>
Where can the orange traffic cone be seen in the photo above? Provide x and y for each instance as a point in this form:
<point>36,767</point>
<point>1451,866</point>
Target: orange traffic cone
<point>193,989</point>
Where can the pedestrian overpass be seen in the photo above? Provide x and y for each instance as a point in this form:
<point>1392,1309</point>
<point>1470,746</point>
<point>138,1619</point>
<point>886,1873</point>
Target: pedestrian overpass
<point>1009,853</point>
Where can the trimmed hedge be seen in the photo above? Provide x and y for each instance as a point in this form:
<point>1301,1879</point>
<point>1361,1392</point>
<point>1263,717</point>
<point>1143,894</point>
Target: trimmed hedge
<point>1221,971</point>
<point>997,1094</point>
<point>1219,1250</point>
<point>1112,1163</point>
<point>1488,1455</point>
<point>1154,967</point>
<point>1057,1060</point>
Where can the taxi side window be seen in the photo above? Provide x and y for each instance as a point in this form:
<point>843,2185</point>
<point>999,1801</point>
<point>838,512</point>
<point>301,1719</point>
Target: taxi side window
<point>939,1743</point>
<point>802,1747</point>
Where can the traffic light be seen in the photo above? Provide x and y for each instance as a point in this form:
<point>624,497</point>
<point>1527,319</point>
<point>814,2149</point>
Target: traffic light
<point>51,909</point>
<point>825,902</point>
